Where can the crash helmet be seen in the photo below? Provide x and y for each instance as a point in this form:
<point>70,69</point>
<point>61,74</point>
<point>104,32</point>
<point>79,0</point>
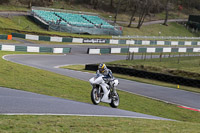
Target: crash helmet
<point>102,67</point>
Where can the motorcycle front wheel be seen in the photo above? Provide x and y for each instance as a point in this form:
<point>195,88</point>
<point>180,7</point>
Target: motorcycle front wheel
<point>115,101</point>
<point>95,97</point>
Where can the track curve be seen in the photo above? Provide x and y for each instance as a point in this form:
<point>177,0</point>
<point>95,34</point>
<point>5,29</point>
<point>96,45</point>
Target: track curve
<point>50,63</point>
<point>17,102</point>
<point>30,103</point>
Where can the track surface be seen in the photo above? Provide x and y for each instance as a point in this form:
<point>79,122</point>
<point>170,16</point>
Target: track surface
<point>49,62</point>
<point>21,102</point>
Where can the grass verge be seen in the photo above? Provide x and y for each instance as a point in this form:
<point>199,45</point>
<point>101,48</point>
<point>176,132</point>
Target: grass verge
<point>142,80</point>
<point>187,66</point>
<point>8,7</point>
<point>9,41</point>
<point>43,82</point>
<point>24,124</point>
<point>173,29</point>
<point>23,24</point>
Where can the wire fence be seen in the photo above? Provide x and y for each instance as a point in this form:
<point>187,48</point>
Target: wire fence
<point>156,37</point>
<point>161,56</point>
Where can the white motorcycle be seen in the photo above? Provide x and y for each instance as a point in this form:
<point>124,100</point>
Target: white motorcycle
<point>102,92</point>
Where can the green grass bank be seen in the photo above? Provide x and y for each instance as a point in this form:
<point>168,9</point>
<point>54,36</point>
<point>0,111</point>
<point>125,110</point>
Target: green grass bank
<point>52,124</point>
<point>43,82</point>
<point>23,24</point>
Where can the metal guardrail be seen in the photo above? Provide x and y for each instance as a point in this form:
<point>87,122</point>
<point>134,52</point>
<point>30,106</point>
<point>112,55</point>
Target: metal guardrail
<point>156,37</point>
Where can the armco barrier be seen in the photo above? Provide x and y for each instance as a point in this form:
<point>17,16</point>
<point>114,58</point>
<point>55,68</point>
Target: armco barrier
<point>150,75</point>
<point>143,50</point>
<point>5,37</point>
<point>107,41</point>
<point>35,49</point>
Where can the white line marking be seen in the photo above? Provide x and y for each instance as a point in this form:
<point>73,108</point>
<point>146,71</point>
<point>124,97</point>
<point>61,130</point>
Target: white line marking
<point>40,114</point>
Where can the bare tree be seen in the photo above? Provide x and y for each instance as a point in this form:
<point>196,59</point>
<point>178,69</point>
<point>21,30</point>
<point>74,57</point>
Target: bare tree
<point>111,3</point>
<point>144,8</point>
<point>94,3</point>
<point>30,3</point>
<point>4,1</point>
<point>117,10</point>
<point>166,12</point>
<point>133,4</point>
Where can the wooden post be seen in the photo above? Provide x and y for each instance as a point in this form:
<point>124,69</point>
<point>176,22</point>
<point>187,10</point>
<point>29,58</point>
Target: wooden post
<point>132,58</point>
<point>160,57</point>
<point>179,58</point>
<point>128,56</point>
<point>145,56</point>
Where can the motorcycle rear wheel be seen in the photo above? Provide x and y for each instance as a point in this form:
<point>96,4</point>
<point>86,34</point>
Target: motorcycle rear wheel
<point>95,97</point>
<point>115,101</point>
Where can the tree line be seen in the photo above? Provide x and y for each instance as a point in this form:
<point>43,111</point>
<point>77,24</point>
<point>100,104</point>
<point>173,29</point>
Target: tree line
<point>141,8</point>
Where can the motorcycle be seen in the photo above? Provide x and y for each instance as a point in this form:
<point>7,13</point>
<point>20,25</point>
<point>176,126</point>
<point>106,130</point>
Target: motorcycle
<point>102,92</point>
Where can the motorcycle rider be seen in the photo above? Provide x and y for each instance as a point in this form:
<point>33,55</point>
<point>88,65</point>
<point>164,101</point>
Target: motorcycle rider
<point>102,69</point>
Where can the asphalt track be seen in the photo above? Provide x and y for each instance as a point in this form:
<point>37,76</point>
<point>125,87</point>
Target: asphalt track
<point>52,62</point>
<point>20,102</point>
<point>17,102</point>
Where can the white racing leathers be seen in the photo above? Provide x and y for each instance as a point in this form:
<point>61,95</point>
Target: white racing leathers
<point>108,77</point>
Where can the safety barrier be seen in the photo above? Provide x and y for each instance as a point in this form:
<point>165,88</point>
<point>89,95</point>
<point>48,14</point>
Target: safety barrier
<point>35,49</point>
<point>5,37</point>
<point>142,50</point>
<point>150,75</point>
<point>107,41</point>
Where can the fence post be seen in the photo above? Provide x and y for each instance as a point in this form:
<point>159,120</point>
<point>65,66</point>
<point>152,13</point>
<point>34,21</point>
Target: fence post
<point>132,58</point>
<point>128,56</point>
<point>145,56</point>
<point>169,55</point>
<point>179,58</point>
<point>160,57</point>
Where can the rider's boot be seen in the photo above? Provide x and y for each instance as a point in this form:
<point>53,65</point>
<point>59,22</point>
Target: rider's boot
<point>114,92</point>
